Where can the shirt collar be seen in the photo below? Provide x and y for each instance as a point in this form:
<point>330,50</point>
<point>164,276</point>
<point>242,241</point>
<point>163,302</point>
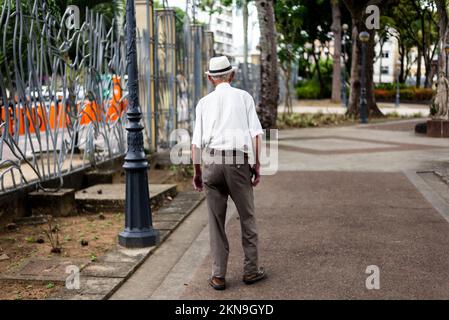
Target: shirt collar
<point>222,85</point>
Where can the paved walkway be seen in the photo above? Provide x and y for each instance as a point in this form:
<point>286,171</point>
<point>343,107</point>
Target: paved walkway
<point>343,199</point>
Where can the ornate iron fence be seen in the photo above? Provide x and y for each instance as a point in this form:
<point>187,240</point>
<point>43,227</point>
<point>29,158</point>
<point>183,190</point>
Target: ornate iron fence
<point>63,87</point>
<point>253,78</point>
<point>184,65</point>
<point>165,37</point>
<point>208,52</point>
<point>196,67</point>
<point>61,93</point>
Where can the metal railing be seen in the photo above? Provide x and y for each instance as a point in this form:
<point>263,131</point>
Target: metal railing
<point>175,73</point>
<point>63,88</point>
<point>165,37</point>
<point>253,78</point>
<point>61,93</point>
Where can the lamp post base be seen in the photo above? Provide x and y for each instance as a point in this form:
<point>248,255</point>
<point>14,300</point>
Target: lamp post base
<point>138,238</point>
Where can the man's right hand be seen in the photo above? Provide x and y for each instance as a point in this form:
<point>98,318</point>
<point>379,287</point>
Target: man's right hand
<point>256,174</point>
<point>198,181</point>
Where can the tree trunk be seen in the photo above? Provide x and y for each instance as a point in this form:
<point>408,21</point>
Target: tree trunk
<point>442,33</point>
<point>269,83</point>
<point>402,65</point>
<point>318,70</point>
<point>245,43</point>
<point>426,55</point>
<point>373,110</point>
<point>429,75</point>
<point>288,98</point>
<point>287,70</point>
<point>418,71</point>
<point>354,95</point>
<point>336,72</point>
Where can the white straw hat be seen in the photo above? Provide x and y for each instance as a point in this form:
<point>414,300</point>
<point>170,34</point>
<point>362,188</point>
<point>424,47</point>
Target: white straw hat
<point>219,66</point>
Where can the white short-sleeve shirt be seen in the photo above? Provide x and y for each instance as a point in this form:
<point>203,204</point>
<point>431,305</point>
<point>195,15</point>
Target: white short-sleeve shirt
<point>226,119</point>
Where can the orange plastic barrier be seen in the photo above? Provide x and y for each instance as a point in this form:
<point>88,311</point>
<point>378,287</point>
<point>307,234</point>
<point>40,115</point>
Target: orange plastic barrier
<point>116,107</point>
<point>37,119</point>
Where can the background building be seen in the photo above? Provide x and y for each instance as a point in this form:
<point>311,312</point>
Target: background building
<point>221,24</point>
<point>386,62</point>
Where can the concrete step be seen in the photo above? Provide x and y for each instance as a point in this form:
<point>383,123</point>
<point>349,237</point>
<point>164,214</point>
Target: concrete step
<point>111,197</point>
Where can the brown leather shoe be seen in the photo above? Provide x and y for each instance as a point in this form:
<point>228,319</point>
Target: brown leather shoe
<point>217,283</point>
<point>253,278</point>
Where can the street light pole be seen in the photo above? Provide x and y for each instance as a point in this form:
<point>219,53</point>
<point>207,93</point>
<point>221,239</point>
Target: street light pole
<point>344,100</point>
<point>364,37</point>
<point>138,230</point>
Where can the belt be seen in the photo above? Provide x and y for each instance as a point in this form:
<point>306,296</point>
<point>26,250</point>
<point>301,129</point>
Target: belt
<point>235,154</point>
<point>226,153</point>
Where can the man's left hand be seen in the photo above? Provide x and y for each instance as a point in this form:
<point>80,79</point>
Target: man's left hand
<point>198,181</point>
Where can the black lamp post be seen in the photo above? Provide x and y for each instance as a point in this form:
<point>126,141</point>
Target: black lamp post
<point>364,38</point>
<point>138,231</point>
<point>344,99</point>
<point>446,49</point>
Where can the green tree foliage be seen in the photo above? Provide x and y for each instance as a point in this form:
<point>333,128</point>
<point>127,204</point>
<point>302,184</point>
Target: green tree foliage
<point>7,32</point>
<point>416,25</point>
<point>179,14</point>
<point>289,22</point>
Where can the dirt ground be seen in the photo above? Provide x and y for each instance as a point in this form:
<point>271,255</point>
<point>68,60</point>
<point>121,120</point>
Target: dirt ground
<point>27,290</point>
<point>82,236</point>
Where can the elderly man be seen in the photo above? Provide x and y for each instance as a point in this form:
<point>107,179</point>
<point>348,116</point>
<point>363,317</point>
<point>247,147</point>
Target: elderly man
<point>227,137</point>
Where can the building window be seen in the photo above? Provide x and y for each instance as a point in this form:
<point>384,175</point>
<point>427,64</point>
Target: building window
<point>384,70</point>
<point>385,54</point>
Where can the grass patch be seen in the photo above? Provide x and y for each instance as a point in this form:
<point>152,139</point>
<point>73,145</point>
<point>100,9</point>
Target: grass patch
<point>311,120</point>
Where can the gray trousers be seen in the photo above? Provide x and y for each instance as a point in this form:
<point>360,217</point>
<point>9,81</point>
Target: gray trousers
<point>221,181</point>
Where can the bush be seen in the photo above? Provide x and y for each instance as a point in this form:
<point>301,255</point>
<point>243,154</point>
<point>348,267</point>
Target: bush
<point>423,93</point>
<point>409,94</point>
<point>383,94</point>
<point>308,90</point>
<point>390,86</point>
<point>305,120</point>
